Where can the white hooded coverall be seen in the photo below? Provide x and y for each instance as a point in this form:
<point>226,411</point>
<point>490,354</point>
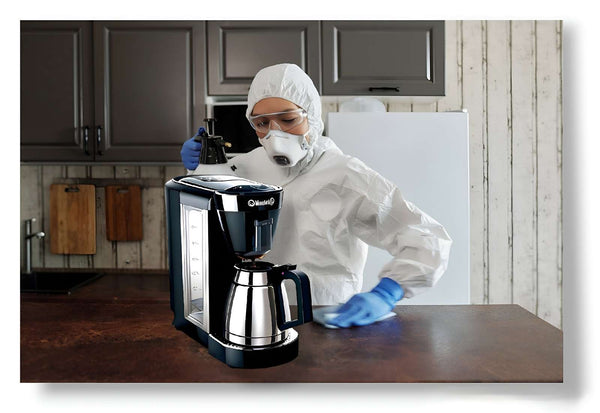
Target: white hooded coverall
<point>334,206</point>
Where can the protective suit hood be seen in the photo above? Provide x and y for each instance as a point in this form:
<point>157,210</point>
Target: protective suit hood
<point>287,81</point>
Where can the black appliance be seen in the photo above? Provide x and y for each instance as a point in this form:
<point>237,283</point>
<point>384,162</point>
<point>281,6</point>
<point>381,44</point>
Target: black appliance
<point>222,295</point>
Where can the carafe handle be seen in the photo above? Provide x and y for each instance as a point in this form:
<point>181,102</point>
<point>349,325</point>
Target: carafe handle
<point>303,298</point>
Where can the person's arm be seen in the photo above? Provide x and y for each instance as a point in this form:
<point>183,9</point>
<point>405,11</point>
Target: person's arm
<point>419,245</point>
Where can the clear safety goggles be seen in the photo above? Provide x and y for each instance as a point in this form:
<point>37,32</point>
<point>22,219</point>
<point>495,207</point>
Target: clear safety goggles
<point>285,121</point>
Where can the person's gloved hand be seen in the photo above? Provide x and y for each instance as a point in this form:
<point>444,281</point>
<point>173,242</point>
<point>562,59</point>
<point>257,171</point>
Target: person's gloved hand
<point>190,151</point>
<point>365,308</point>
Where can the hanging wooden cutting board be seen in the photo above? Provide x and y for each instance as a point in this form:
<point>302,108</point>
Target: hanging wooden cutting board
<point>123,213</point>
<point>72,219</point>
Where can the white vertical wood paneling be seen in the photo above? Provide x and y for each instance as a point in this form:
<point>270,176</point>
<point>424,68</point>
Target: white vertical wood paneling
<point>524,173</point>
<point>31,207</point>
<point>499,162</point>
<point>473,96</point>
<point>171,172</point>
<point>153,222</point>
<point>394,106</point>
<point>327,107</point>
<point>423,107</point>
<point>549,166</point>
<point>128,252</point>
<point>453,68</point>
<point>106,251</point>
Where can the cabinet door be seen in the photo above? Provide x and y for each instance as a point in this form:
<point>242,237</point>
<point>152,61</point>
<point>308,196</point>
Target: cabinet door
<point>402,58</point>
<point>239,49</point>
<point>149,88</point>
<point>56,91</point>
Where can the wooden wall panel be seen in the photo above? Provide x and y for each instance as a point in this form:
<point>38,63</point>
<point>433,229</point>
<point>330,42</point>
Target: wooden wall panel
<point>153,219</point>
<point>172,171</point>
<point>524,172</point>
<point>327,107</point>
<point>498,125</point>
<point>549,165</point>
<point>398,106</point>
<point>453,68</point>
<point>474,99</point>
<point>31,207</point>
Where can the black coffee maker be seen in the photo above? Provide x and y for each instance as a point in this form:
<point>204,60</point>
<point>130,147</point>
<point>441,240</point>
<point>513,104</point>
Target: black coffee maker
<point>222,295</point>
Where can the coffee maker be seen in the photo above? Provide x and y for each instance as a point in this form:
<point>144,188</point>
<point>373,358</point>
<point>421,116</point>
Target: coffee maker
<point>222,294</point>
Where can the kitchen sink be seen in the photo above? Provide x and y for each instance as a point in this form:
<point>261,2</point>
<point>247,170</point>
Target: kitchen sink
<point>56,282</point>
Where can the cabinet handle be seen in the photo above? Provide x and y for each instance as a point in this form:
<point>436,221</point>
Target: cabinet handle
<point>386,89</point>
<point>86,138</point>
<point>99,139</point>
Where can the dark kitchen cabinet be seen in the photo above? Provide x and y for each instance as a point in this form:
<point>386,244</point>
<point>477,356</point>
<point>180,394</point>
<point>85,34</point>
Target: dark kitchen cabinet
<point>149,88</point>
<point>56,91</point>
<point>379,58</point>
<point>136,99</point>
<point>239,49</point>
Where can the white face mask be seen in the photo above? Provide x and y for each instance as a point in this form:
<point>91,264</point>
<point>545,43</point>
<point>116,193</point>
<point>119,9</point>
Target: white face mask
<point>283,148</point>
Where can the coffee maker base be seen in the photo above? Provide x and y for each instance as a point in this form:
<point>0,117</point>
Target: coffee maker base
<point>254,357</point>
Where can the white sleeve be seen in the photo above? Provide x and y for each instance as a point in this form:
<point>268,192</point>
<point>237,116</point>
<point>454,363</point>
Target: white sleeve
<point>420,246</point>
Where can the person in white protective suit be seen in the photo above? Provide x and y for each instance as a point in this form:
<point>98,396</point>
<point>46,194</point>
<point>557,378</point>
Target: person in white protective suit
<point>334,205</point>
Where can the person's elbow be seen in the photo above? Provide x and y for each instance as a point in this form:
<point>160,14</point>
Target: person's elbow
<point>441,260</point>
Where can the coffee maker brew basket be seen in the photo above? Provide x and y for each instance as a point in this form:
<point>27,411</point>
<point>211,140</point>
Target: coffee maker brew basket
<point>248,215</point>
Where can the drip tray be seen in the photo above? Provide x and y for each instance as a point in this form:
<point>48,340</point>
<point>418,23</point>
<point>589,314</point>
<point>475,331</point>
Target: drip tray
<point>56,282</point>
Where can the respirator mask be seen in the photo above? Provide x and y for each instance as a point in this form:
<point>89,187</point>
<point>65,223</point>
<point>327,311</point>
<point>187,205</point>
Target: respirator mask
<point>283,148</point>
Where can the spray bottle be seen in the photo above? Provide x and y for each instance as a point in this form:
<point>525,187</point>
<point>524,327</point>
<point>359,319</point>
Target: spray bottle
<point>213,159</point>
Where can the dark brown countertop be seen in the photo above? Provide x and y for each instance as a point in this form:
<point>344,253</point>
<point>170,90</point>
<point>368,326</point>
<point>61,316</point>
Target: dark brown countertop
<point>118,329</point>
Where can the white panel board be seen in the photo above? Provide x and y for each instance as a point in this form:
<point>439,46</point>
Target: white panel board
<point>427,156</point>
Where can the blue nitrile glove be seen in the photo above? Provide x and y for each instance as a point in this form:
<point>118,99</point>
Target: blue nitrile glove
<point>190,151</point>
<point>365,308</point>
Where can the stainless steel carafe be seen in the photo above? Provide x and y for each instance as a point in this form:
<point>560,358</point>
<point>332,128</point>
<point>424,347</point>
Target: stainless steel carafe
<point>258,312</point>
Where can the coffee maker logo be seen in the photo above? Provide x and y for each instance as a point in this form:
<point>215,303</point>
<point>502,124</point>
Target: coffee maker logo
<point>258,202</point>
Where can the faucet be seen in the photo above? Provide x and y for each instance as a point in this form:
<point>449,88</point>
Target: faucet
<point>28,236</point>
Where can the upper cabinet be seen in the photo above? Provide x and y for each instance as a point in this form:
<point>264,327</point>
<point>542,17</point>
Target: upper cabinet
<point>379,58</point>
<point>56,91</point>
<point>136,99</point>
<point>239,49</point>
<point>134,91</point>
<point>149,88</point>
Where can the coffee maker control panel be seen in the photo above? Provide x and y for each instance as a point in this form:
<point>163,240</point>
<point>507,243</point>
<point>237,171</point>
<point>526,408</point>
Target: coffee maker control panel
<point>226,184</point>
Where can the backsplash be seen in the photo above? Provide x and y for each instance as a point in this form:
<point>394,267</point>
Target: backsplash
<point>150,253</point>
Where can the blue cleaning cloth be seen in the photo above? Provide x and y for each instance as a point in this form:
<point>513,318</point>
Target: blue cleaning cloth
<point>323,314</point>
